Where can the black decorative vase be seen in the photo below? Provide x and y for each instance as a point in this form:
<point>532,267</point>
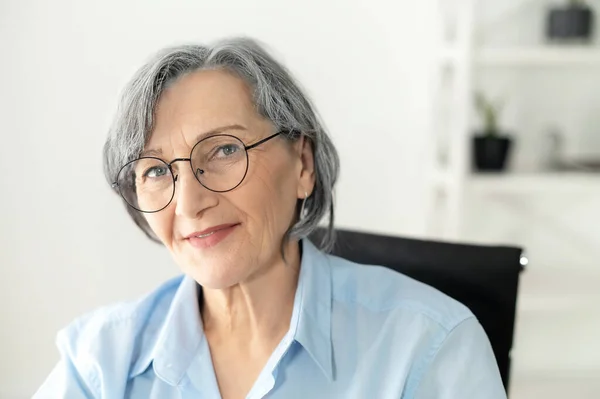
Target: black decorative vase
<point>574,22</point>
<point>490,153</point>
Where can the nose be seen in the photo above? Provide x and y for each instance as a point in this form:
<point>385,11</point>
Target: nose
<point>191,198</point>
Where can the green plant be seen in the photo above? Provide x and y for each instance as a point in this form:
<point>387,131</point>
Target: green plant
<point>489,114</point>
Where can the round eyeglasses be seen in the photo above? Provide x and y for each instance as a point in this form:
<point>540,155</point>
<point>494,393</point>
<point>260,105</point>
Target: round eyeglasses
<point>218,162</point>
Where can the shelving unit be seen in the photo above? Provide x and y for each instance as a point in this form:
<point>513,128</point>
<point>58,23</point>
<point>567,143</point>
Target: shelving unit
<point>449,168</point>
<point>548,213</point>
<point>460,60</point>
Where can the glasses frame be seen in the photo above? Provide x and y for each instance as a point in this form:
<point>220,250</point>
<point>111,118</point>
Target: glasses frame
<point>115,184</point>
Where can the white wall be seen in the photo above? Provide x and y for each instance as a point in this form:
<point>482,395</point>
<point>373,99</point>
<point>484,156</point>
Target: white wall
<point>67,245</point>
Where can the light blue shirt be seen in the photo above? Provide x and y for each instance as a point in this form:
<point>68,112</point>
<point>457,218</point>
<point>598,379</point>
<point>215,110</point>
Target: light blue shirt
<point>356,332</point>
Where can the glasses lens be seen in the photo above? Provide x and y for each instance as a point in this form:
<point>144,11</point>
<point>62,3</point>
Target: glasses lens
<point>146,184</point>
<point>220,162</point>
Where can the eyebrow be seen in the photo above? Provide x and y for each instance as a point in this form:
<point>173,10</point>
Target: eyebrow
<point>203,135</point>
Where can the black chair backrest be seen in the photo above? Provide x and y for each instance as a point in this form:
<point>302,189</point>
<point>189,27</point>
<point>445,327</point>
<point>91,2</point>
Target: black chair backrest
<point>484,278</point>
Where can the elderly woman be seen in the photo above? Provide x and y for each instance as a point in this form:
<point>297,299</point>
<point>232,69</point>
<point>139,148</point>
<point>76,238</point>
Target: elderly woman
<point>219,155</point>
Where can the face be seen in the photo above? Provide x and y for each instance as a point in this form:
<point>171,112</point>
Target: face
<point>223,239</point>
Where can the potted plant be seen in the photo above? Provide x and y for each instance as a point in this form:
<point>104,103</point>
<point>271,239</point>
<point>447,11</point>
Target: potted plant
<point>491,148</point>
<point>574,21</point>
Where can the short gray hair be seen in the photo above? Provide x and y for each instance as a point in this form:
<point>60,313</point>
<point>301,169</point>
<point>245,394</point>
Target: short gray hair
<point>277,97</point>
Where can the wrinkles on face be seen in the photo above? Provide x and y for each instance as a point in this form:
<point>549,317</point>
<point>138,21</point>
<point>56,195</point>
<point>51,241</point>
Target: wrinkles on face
<point>262,205</point>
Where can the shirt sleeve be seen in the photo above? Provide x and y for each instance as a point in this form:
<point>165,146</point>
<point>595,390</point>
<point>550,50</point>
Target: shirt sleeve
<point>66,380</point>
<point>463,367</point>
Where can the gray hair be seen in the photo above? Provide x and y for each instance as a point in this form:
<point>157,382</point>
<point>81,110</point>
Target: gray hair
<point>277,97</point>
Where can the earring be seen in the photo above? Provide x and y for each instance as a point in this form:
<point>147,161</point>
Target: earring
<point>303,204</point>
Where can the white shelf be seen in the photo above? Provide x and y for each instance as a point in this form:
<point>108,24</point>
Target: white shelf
<point>555,182</point>
<point>550,55</point>
<point>521,183</point>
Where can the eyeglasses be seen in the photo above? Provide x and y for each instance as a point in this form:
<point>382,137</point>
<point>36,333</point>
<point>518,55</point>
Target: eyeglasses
<point>219,163</point>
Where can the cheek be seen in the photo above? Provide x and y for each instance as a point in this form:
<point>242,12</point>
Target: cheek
<point>161,224</point>
<point>272,193</point>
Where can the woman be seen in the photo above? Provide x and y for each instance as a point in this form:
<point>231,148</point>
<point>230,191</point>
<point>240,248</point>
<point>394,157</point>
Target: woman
<point>218,155</point>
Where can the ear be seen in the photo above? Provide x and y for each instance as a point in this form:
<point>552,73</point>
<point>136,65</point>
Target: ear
<point>306,181</point>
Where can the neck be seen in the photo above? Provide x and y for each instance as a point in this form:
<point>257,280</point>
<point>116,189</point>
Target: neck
<point>260,308</point>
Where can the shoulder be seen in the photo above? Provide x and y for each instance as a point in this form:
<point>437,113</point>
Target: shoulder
<point>378,289</point>
<point>125,313</point>
<point>113,333</point>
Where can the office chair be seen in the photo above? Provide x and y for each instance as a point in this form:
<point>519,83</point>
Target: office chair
<point>484,278</point>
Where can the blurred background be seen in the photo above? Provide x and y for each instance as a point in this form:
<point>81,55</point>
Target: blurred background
<point>459,120</point>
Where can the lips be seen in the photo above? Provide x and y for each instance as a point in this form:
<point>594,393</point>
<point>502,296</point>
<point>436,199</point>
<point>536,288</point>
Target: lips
<point>211,237</point>
<point>210,231</point>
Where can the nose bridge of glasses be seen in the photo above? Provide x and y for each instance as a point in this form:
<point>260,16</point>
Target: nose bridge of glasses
<point>178,160</point>
<point>177,172</point>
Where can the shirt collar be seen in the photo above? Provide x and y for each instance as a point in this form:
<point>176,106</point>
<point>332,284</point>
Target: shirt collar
<point>180,336</point>
<point>311,318</point>
<point>182,332</point>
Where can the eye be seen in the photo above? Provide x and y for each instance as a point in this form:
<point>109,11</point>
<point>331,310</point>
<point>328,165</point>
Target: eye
<point>156,171</point>
<point>227,150</point>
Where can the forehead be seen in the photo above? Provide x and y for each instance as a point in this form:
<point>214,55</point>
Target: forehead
<point>199,102</point>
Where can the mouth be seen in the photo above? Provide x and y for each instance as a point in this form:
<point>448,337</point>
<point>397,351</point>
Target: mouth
<point>211,236</point>
<point>210,231</point>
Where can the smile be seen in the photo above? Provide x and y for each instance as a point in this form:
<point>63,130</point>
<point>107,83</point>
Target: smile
<point>212,236</point>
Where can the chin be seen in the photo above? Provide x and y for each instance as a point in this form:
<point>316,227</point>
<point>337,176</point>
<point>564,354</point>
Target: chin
<point>218,267</point>
<point>217,270</point>
<point>216,279</point>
